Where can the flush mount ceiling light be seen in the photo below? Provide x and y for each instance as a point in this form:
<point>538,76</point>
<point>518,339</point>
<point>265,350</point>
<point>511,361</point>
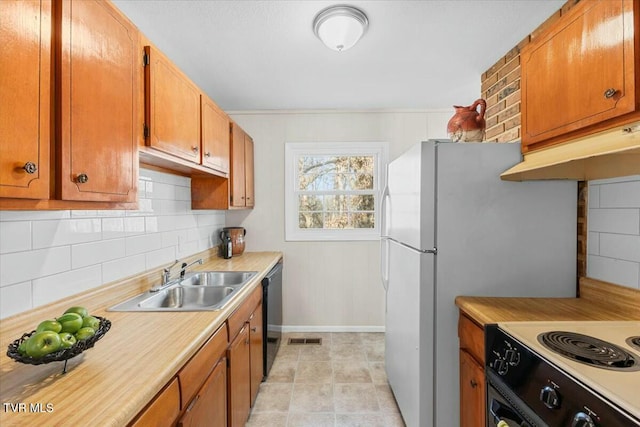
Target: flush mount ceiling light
<point>340,27</point>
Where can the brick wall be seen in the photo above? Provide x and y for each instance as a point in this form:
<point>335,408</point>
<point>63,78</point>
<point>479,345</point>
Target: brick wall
<point>500,87</point>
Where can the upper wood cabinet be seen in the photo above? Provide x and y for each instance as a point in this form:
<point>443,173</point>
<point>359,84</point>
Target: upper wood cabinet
<point>25,61</point>
<point>98,103</point>
<point>172,108</point>
<point>242,192</point>
<point>89,52</point>
<point>580,75</point>
<point>215,136</point>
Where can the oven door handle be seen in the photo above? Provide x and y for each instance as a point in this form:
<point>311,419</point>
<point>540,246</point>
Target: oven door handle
<point>499,411</point>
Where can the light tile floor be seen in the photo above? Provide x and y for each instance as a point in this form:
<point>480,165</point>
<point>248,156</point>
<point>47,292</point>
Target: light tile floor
<point>340,383</point>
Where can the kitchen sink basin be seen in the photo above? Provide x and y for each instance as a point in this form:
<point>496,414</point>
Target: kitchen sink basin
<point>197,291</point>
<point>217,278</point>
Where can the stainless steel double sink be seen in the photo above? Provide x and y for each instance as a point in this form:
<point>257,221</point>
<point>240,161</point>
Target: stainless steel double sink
<point>197,291</point>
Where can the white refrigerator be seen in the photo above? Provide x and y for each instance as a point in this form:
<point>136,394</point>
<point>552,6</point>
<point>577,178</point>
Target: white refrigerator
<point>452,227</point>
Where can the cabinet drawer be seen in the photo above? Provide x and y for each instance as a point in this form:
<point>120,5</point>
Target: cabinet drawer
<point>242,313</point>
<point>471,338</point>
<point>163,410</point>
<point>201,364</point>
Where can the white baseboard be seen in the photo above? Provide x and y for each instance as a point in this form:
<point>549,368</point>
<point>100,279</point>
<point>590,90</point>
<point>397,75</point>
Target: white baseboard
<point>302,328</point>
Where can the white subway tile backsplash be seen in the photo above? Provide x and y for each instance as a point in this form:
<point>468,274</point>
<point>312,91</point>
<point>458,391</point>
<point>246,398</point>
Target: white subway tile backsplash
<point>620,195</point>
<point>15,299</point>
<point>48,255</point>
<point>612,270</point>
<point>620,246</point>
<point>22,266</point>
<point>57,233</point>
<point>160,257</point>
<point>623,221</point>
<point>123,267</point>
<point>58,286</point>
<point>86,254</point>
<point>143,243</point>
<point>16,236</point>
<point>613,223</point>
<point>593,245</point>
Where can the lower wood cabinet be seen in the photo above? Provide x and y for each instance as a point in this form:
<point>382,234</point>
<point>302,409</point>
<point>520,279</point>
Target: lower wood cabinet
<point>163,411</point>
<point>256,351</point>
<point>472,380</point>
<point>239,384</point>
<point>209,406</point>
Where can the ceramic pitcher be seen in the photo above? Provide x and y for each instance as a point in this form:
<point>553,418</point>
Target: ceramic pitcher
<point>468,124</point>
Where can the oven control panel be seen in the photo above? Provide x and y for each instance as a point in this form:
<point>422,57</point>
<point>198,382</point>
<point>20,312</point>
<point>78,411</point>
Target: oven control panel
<point>525,378</point>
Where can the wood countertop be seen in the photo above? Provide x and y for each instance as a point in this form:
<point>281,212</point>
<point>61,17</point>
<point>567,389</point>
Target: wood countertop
<point>598,301</point>
<point>109,384</point>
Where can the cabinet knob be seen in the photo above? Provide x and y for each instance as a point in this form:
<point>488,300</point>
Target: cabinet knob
<point>207,154</point>
<point>30,168</point>
<point>195,149</point>
<point>82,178</point>
<point>254,329</point>
<point>610,93</point>
<point>473,383</point>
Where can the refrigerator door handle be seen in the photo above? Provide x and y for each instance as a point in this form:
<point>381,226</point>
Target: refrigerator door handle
<point>386,201</point>
<point>384,263</point>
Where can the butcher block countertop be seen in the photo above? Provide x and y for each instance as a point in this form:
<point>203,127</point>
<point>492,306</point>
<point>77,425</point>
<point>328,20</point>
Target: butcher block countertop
<point>110,383</point>
<point>598,301</point>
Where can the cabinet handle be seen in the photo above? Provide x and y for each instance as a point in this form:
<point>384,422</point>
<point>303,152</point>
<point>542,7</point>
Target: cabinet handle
<point>207,154</point>
<point>254,329</point>
<point>195,149</point>
<point>193,402</point>
<point>610,93</point>
<point>82,178</point>
<point>30,168</point>
<point>473,383</point>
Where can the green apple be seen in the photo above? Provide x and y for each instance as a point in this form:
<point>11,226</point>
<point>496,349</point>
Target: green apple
<point>49,325</point>
<point>67,339</point>
<point>78,310</point>
<point>42,343</point>
<point>91,322</point>
<point>85,333</point>
<point>70,322</point>
<point>22,348</point>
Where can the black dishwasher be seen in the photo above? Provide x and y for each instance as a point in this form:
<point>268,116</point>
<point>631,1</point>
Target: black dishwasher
<point>271,315</point>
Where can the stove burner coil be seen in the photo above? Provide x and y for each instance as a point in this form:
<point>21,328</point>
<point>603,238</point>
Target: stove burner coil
<point>589,350</point>
<point>634,342</point>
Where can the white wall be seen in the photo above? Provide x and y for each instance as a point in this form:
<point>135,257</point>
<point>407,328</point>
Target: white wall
<point>327,285</point>
<point>48,255</point>
<point>613,222</point>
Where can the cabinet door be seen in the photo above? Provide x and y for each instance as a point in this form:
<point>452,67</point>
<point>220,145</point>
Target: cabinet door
<point>581,72</point>
<point>163,410</point>
<point>25,61</point>
<point>99,124</point>
<point>239,385</point>
<point>248,171</point>
<point>209,406</point>
<point>472,392</point>
<point>237,185</point>
<point>256,350</point>
<point>172,108</point>
<point>215,136</point>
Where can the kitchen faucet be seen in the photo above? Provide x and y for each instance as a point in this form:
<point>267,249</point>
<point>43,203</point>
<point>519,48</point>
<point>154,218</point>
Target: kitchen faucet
<point>166,274</point>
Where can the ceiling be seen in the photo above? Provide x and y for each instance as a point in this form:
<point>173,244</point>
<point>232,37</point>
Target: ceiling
<point>263,55</point>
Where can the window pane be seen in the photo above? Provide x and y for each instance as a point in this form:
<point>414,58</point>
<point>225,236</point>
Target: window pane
<point>365,202</point>
<point>362,164</point>
<point>361,182</point>
<point>310,220</point>
<point>336,203</point>
<point>363,220</point>
<point>309,203</point>
<point>336,220</point>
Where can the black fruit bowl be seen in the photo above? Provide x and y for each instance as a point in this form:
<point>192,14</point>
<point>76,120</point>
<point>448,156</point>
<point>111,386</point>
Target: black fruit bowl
<point>60,355</point>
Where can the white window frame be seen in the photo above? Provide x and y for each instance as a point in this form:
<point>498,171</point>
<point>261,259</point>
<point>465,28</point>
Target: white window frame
<point>294,150</point>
